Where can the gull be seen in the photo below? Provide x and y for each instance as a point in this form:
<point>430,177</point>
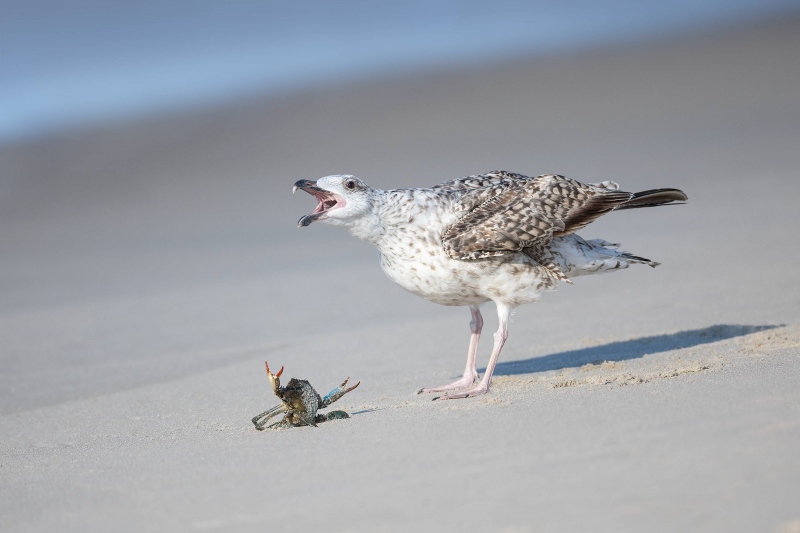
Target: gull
<point>500,237</point>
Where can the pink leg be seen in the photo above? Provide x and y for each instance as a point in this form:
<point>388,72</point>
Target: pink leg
<point>500,337</point>
<point>470,374</point>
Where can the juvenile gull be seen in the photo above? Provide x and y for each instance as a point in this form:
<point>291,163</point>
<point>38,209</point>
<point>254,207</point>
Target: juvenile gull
<point>499,236</point>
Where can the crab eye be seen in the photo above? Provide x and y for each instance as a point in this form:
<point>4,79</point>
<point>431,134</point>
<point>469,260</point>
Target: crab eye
<point>350,184</point>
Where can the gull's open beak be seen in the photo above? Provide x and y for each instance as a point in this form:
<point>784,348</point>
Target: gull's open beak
<point>306,185</point>
<point>326,201</point>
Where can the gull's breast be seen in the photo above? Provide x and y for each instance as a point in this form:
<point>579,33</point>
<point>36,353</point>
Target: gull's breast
<point>421,266</point>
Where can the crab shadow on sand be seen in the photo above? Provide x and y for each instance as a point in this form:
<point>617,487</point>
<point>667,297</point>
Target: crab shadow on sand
<point>623,350</point>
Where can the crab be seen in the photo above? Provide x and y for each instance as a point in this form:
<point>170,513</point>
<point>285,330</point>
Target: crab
<point>300,403</point>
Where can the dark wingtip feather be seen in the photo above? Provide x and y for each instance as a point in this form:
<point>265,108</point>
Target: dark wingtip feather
<point>637,259</point>
<point>654,197</point>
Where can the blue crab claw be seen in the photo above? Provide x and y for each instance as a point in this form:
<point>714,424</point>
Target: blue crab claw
<point>337,393</point>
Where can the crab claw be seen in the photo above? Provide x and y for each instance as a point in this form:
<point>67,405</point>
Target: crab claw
<point>337,393</point>
<point>270,373</point>
<point>274,379</point>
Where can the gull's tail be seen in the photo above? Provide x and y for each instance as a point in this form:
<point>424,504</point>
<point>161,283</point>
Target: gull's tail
<point>576,256</point>
<point>653,197</point>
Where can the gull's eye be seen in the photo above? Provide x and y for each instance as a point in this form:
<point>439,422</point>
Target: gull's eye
<point>350,184</point>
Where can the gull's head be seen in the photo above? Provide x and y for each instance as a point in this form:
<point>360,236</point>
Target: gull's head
<point>341,199</point>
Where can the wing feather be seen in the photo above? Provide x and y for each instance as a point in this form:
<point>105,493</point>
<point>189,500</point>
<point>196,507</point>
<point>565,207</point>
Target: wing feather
<point>495,180</point>
<point>510,213</point>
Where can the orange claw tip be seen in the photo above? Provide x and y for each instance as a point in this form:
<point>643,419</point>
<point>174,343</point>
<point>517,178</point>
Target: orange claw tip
<point>276,375</point>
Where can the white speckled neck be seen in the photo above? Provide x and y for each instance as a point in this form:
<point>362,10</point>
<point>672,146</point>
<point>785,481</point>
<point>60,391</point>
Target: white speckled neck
<point>369,227</point>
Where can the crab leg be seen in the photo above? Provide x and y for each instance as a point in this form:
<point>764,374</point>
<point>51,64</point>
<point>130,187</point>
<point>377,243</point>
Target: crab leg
<point>285,423</point>
<point>304,418</point>
<point>337,393</point>
<point>266,415</point>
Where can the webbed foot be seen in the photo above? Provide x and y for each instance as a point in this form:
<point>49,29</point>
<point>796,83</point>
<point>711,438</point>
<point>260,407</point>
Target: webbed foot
<point>465,381</point>
<point>476,391</point>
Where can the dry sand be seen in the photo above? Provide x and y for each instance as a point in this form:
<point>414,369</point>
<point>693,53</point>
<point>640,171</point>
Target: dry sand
<point>148,270</point>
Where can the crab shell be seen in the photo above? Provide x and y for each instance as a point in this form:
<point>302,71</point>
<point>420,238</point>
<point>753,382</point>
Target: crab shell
<point>300,396</point>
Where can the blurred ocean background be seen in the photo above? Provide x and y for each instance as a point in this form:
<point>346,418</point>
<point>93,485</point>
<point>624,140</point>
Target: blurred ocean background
<point>71,63</point>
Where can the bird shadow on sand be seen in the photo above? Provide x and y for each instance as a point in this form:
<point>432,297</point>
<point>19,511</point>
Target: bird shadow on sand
<point>623,350</point>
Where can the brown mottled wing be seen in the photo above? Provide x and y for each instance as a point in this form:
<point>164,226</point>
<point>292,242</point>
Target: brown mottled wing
<point>503,224</point>
<point>495,180</point>
<point>525,215</point>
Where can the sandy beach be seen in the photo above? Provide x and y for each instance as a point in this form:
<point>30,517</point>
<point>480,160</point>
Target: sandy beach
<point>149,268</point>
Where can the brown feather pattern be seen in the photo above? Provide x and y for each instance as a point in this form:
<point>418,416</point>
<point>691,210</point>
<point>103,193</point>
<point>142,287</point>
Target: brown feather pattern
<point>509,213</point>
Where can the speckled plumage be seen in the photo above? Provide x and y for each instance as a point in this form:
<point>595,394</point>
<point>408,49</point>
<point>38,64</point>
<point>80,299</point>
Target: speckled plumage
<point>499,236</point>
